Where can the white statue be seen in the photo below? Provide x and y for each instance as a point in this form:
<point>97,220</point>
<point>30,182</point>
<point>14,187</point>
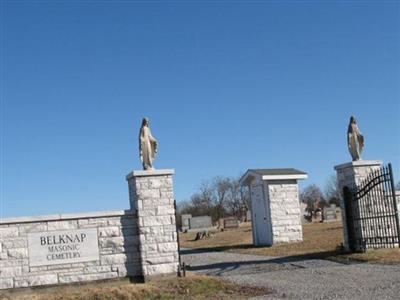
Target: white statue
<point>147,145</point>
<point>355,140</point>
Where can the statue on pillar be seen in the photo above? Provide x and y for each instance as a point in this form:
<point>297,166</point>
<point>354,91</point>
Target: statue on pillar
<point>147,145</point>
<point>355,140</point>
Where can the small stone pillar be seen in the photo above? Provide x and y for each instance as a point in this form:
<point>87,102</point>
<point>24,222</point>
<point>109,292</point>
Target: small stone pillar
<point>151,195</point>
<point>351,175</point>
<point>275,205</point>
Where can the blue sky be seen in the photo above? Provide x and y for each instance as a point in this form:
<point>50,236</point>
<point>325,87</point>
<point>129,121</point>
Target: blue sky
<point>227,86</point>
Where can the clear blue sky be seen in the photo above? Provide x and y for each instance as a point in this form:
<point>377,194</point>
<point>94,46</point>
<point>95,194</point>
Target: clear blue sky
<point>227,86</point>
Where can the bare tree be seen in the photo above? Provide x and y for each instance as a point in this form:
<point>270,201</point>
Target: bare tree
<point>202,201</point>
<point>331,191</point>
<point>313,197</point>
<point>234,201</point>
<point>217,197</point>
<point>221,189</point>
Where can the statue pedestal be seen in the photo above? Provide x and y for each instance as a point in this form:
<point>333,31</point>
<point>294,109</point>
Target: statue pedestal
<point>350,175</point>
<point>151,195</point>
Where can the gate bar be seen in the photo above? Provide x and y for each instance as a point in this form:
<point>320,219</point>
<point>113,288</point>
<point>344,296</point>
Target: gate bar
<point>395,204</point>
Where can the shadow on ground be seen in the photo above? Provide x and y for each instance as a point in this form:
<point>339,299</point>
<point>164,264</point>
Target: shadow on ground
<point>313,255</point>
<point>270,262</point>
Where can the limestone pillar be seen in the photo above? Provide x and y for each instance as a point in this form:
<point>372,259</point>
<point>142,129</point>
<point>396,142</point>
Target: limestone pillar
<point>151,195</point>
<point>351,175</point>
<point>275,205</point>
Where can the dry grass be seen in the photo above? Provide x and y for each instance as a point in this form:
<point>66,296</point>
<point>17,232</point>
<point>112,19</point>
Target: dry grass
<point>161,287</point>
<point>318,237</point>
<point>320,240</point>
<point>385,256</point>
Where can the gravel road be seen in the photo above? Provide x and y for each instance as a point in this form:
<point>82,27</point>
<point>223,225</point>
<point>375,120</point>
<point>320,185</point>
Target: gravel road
<point>299,278</point>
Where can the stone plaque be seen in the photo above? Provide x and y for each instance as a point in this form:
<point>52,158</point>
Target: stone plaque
<point>62,247</point>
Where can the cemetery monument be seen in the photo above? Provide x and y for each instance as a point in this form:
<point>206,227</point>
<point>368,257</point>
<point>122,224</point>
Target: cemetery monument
<point>355,140</point>
<point>147,145</point>
<point>367,199</point>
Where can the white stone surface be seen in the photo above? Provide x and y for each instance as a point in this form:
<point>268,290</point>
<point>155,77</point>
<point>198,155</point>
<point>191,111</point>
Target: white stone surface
<point>151,194</point>
<point>147,173</point>
<point>359,163</point>
<point>121,250</point>
<point>63,217</point>
<point>284,177</point>
<point>285,211</point>
<point>62,247</point>
<point>351,174</point>
<point>140,241</point>
<point>276,213</point>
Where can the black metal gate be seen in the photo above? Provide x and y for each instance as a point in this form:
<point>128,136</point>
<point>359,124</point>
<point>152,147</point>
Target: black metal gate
<point>372,215</point>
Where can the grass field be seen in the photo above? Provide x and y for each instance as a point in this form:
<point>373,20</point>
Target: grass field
<point>322,240</point>
<point>163,287</point>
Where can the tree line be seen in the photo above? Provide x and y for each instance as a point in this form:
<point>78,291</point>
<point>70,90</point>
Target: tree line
<point>218,197</point>
<point>224,196</point>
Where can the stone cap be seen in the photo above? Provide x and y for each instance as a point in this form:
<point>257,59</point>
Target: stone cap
<point>272,174</point>
<point>69,216</point>
<point>143,173</point>
<point>358,163</point>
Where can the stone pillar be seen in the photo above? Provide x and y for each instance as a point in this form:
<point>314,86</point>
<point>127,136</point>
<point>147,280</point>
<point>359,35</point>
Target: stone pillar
<point>151,195</point>
<point>351,175</point>
<point>275,205</point>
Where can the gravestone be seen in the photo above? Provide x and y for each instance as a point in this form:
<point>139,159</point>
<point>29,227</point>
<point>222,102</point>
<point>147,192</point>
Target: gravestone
<point>185,222</point>
<point>231,222</point>
<point>304,213</point>
<point>200,222</point>
<point>330,213</point>
<point>248,216</point>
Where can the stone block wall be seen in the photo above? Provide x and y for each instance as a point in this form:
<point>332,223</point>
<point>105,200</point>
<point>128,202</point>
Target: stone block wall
<point>117,238</point>
<point>351,175</point>
<point>285,210</point>
<point>151,194</point>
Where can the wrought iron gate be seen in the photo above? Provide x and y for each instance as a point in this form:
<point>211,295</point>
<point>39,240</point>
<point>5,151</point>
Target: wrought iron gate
<point>372,214</point>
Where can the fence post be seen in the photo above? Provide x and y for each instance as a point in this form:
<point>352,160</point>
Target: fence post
<point>396,211</point>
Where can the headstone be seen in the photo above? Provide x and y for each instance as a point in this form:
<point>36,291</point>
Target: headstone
<point>185,222</point>
<point>231,222</point>
<point>304,213</point>
<point>221,223</point>
<point>200,222</point>
<point>330,213</point>
<point>248,216</point>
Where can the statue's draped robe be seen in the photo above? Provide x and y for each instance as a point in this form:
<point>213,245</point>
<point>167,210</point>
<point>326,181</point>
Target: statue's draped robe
<point>355,141</point>
<point>148,146</point>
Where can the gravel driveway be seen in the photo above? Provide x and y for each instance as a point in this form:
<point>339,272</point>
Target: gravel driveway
<point>299,279</point>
